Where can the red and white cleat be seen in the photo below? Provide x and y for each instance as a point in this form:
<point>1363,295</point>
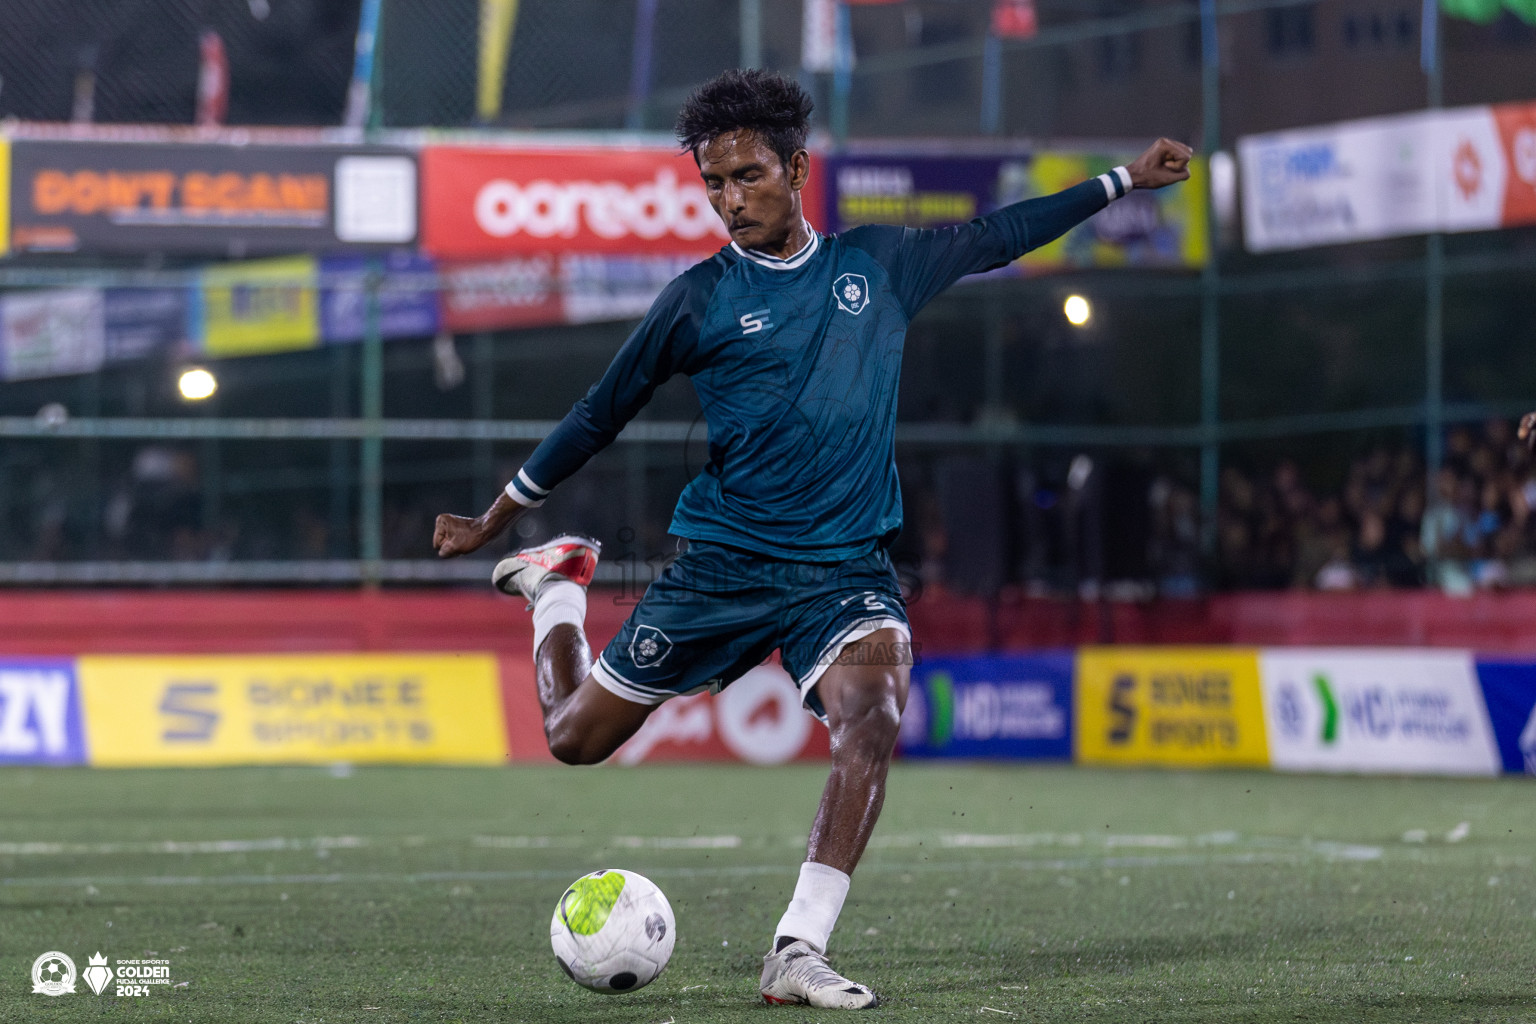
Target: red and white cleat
<point>566,558</point>
<point>797,974</point>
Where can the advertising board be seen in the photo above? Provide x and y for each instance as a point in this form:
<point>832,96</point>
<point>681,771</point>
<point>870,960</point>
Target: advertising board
<point>143,321</point>
<point>1345,182</point>
<point>1463,169</point>
<point>485,202</point>
<point>1509,693</point>
<point>40,712</point>
<point>407,296</point>
<point>757,719</point>
<point>1376,710</point>
<point>1013,706</point>
<point>45,333</point>
<point>5,195</point>
<point>213,198</point>
<point>258,306</point>
<point>1173,706</point>
<point>285,709</point>
<point>1151,229</point>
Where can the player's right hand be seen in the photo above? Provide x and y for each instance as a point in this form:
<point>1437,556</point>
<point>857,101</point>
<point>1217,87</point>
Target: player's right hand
<point>1527,431</point>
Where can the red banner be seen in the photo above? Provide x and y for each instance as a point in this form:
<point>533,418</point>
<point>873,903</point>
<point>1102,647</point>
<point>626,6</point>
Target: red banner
<point>517,292</point>
<point>479,203</point>
<point>757,719</point>
<point>1517,132</point>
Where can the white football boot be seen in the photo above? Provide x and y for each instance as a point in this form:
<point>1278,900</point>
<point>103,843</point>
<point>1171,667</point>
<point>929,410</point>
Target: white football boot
<point>798,974</point>
<point>564,558</point>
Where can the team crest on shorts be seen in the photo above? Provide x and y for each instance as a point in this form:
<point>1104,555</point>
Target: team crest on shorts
<point>650,647</point>
<point>851,292</point>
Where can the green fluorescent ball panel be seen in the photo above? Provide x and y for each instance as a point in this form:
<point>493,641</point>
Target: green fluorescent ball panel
<point>587,903</point>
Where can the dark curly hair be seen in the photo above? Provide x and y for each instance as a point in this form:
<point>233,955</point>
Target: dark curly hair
<point>748,99</point>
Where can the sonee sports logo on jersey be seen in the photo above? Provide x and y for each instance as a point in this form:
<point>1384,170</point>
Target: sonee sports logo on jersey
<point>851,292</point>
<point>755,321</point>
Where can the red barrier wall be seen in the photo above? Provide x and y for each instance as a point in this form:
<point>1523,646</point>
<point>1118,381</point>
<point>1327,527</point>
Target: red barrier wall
<point>128,621</point>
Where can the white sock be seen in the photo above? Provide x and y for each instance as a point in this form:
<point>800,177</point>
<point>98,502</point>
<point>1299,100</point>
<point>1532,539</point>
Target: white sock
<point>558,601</point>
<point>813,911</point>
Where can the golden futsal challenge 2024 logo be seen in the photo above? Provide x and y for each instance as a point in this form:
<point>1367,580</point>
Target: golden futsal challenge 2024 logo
<point>54,974</point>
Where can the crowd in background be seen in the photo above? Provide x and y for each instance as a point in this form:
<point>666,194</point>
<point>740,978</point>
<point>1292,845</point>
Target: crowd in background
<point>1381,529</point>
<point>1085,527</point>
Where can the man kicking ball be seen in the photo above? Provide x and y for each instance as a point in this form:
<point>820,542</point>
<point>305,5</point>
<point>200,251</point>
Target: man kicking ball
<point>793,340</point>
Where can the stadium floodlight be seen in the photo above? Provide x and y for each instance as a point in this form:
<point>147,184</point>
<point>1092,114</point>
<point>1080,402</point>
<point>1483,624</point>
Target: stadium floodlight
<point>197,384</point>
<point>1077,310</point>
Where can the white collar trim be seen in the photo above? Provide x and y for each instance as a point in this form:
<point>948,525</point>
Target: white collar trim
<point>775,263</point>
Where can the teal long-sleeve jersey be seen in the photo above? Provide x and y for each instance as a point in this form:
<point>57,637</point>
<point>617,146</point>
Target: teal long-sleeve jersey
<point>797,363</point>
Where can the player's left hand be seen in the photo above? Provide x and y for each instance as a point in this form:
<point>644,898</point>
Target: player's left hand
<point>457,535</point>
<point>1164,163</point>
<point>1527,431</point>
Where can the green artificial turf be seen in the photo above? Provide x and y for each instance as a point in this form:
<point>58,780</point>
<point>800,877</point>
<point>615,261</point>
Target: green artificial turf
<point>992,893</point>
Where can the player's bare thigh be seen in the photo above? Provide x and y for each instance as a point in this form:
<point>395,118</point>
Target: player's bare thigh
<point>592,723</point>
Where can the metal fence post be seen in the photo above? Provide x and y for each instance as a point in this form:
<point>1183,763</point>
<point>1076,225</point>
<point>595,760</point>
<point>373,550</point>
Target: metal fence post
<point>371,477</point>
<point>1434,275</point>
<point>1210,287</point>
<point>751,33</point>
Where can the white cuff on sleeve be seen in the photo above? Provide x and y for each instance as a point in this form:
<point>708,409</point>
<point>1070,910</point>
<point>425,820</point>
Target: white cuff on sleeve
<point>1116,183</point>
<point>525,492</point>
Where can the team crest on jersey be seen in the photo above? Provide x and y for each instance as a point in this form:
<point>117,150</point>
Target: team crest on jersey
<point>851,292</point>
<point>649,647</point>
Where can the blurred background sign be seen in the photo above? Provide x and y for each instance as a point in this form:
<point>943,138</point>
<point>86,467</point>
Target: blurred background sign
<point>1467,169</point>
<point>924,187</point>
<point>104,196</point>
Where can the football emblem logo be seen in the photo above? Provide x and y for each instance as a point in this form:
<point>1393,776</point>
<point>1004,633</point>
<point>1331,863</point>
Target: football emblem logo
<point>649,647</point>
<point>53,974</point>
<point>851,292</point>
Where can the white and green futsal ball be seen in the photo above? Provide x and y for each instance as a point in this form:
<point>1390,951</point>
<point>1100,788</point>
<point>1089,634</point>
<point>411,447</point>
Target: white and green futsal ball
<point>613,931</point>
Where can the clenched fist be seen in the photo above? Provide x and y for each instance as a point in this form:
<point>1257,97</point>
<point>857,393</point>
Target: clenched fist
<point>1164,163</point>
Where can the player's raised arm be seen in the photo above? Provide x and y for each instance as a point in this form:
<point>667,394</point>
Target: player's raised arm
<point>645,362</point>
<point>924,263</point>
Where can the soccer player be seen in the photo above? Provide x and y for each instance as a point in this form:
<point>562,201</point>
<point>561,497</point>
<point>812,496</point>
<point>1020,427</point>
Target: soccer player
<point>793,340</point>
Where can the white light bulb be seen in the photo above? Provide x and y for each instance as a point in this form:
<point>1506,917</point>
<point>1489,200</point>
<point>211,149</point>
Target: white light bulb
<point>197,384</point>
<point>1077,310</point>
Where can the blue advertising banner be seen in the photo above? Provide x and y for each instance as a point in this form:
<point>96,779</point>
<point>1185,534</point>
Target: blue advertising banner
<point>1014,706</point>
<point>1509,690</point>
<point>143,321</point>
<point>40,712</point>
<point>407,300</point>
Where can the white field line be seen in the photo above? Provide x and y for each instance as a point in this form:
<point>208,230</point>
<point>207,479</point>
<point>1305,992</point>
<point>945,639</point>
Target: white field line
<point>939,840</point>
<point>723,871</point>
<point>177,846</point>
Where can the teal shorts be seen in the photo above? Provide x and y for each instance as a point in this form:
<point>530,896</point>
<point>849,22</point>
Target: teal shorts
<point>716,612</point>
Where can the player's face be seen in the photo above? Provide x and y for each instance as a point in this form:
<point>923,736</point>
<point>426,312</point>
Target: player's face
<point>755,193</point>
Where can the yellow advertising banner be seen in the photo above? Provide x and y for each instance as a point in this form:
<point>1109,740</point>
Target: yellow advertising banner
<point>5,195</point>
<point>261,306</point>
<point>292,709</point>
<point>1162,228</point>
<point>1187,706</point>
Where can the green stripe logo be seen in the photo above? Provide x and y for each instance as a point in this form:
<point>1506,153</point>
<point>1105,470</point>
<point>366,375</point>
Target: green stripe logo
<point>1330,730</point>
<point>941,709</point>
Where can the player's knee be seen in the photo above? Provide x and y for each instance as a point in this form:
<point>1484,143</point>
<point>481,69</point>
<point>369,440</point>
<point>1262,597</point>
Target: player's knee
<point>569,748</point>
<point>868,718</point>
